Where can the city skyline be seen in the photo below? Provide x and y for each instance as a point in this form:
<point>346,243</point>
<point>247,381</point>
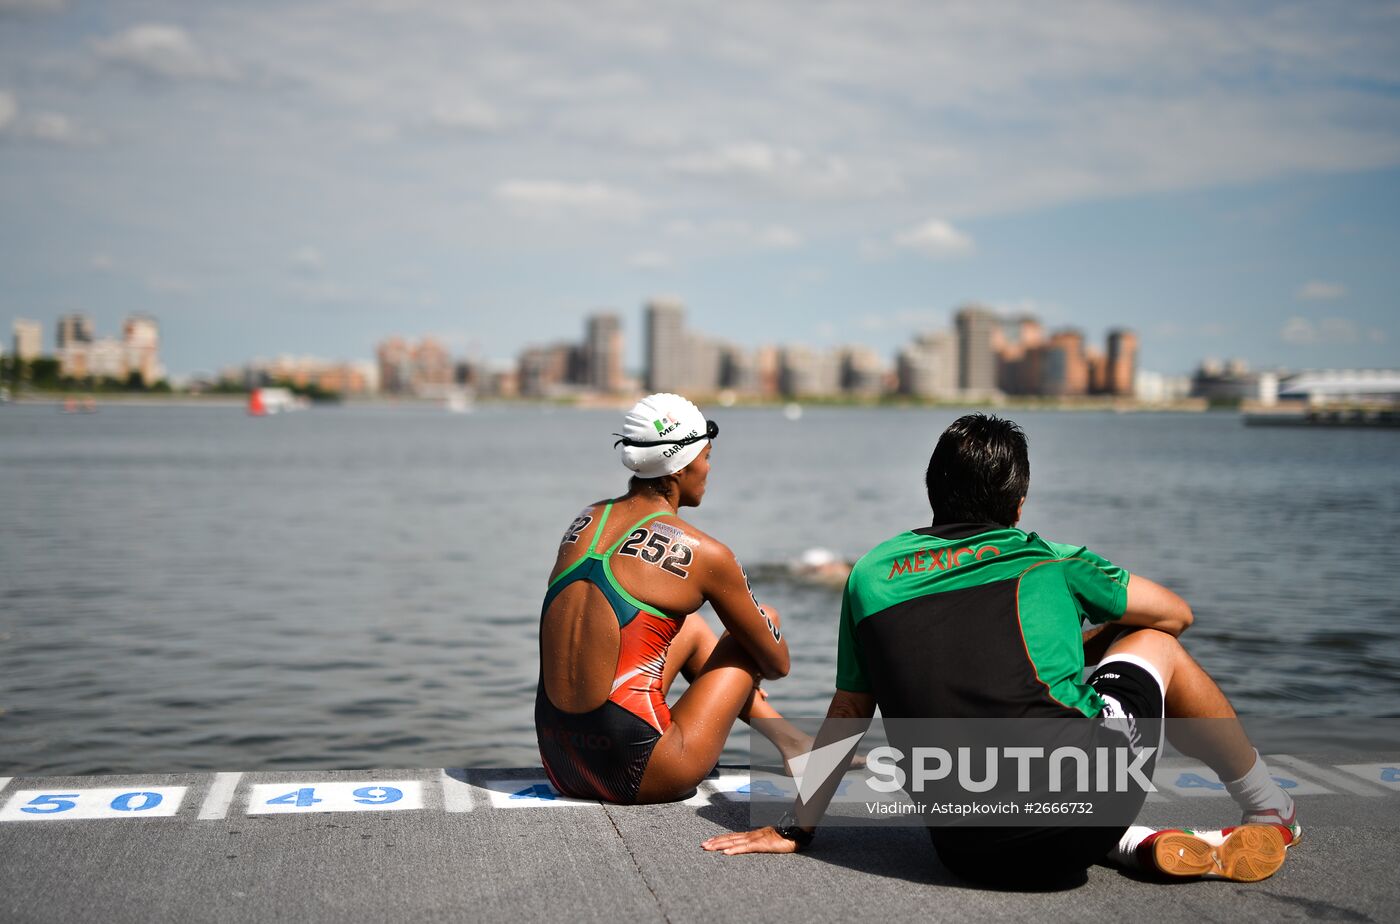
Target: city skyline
<point>309,177</point>
<point>1003,359</point>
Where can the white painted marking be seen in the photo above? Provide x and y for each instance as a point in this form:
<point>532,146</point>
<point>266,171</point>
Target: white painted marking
<point>358,796</point>
<point>532,793</point>
<point>220,794</point>
<point>1197,781</point>
<point>734,787</point>
<point>703,794</point>
<point>71,803</point>
<point>1387,775</point>
<point>456,795</point>
<point>1325,775</point>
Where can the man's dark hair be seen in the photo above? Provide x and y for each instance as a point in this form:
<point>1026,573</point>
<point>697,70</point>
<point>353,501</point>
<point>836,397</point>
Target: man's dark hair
<point>979,471</point>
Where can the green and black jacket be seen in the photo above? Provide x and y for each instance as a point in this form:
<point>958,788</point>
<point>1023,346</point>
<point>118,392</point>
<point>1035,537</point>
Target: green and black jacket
<point>975,620</point>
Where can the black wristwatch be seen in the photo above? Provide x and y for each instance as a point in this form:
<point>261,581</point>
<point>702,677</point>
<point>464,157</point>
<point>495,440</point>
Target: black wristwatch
<point>788,828</point>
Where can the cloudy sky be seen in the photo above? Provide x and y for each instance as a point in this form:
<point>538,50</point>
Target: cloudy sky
<point>308,176</point>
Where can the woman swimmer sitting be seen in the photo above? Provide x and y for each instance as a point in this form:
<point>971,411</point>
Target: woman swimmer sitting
<point>619,622</point>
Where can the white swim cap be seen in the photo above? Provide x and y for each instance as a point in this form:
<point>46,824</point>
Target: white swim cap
<point>663,434</point>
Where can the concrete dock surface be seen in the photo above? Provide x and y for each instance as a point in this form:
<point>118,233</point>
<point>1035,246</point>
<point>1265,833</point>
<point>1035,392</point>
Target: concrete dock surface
<point>451,845</point>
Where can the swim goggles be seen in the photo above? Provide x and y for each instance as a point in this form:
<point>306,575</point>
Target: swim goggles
<point>711,431</point>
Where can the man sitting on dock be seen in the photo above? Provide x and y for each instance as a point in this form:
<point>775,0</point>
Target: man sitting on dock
<point>994,631</point>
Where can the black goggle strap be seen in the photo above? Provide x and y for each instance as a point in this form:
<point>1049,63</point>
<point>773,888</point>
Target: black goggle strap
<point>711,431</point>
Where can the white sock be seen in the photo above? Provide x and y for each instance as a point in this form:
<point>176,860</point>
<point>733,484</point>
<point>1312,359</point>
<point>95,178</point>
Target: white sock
<point>1125,854</point>
<point>1256,791</point>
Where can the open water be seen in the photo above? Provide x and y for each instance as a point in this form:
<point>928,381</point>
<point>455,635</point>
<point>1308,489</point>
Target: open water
<point>187,588</point>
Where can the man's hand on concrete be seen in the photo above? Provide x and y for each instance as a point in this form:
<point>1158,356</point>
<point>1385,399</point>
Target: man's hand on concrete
<point>760,840</point>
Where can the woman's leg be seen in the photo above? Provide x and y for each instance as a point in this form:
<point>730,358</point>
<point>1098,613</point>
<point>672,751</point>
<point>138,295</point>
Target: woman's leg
<point>700,722</point>
<point>687,655</point>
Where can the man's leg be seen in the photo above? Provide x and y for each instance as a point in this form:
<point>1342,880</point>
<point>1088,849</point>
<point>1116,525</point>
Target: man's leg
<point>1216,737</point>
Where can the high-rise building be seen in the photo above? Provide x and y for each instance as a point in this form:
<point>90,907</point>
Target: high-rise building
<point>767,368</point>
<point>106,359</point>
<point>422,368</point>
<point>1065,370</point>
<point>1122,361</point>
<point>358,378</point>
<point>701,365</point>
<point>977,361</point>
<point>73,329</point>
<point>141,344</point>
<point>862,372</point>
<point>1018,343</point>
<point>665,345</point>
<point>28,339</point>
<point>737,369</point>
<point>1097,363</point>
<point>432,366</point>
<point>603,353</point>
<point>544,371</point>
<point>395,361</point>
<point>806,373</point>
<point>928,367</point>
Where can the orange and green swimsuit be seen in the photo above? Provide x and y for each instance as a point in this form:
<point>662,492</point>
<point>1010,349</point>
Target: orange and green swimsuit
<point>602,753</point>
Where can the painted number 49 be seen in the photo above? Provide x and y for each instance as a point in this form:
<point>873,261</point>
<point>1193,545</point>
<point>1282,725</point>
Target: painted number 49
<point>365,795</point>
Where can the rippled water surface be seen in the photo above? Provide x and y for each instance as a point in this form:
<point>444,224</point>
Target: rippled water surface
<point>186,588</point>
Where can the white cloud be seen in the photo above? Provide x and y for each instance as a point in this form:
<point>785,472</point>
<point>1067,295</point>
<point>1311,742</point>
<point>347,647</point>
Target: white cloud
<point>1317,290</point>
<point>55,128</point>
<point>649,260</point>
<point>742,159</point>
<point>307,261</point>
<point>784,169</point>
<point>44,127</point>
<point>163,50</point>
<point>552,197</point>
<point>102,262</point>
<point>1303,332</point>
<point>936,238</point>
<point>732,230</point>
<point>776,237</point>
<point>917,320</point>
<point>169,285</point>
<point>465,116</point>
<point>1045,311</point>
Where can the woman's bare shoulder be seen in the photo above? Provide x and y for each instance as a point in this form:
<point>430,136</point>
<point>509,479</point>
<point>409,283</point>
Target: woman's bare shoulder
<point>701,543</point>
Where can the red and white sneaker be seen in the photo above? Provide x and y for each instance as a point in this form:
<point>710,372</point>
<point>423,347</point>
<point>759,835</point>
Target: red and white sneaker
<point>1247,853</point>
<point>1292,831</point>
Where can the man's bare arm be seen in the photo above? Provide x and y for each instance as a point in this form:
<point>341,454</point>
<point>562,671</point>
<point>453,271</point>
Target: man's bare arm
<point>847,712</point>
<point>1152,606</point>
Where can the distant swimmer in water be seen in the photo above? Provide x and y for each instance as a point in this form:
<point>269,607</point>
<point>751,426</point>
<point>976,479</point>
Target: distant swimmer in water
<point>618,623</point>
<point>821,566</point>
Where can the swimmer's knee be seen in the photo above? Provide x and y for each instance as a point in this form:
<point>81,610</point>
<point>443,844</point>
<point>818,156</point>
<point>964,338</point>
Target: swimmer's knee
<point>729,652</point>
<point>1161,648</point>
